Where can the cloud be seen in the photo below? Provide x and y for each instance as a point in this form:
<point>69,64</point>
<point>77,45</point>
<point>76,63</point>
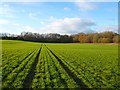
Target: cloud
<point>21,1</point>
<point>59,0</point>
<point>32,16</point>
<point>6,10</point>
<point>69,26</point>
<point>84,6</point>
<point>4,21</point>
<point>16,24</point>
<point>42,22</point>
<point>61,26</point>
<point>113,28</point>
<point>66,8</point>
<point>10,26</point>
<point>28,28</point>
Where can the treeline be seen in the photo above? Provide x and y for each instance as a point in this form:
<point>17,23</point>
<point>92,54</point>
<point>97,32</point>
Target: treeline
<point>104,37</point>
<point>36,37</point>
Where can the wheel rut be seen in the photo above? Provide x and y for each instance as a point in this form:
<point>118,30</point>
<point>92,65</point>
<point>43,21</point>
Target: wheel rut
<point>3,77</point>
<point>30,76</point>
<point>78,81</point>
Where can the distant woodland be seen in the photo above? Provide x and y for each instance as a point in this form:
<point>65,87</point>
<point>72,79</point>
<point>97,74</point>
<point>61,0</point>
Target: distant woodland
<point>104,37</point>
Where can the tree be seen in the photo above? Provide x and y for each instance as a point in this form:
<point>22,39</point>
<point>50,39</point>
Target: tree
<point>106,40</point>
<point>95,38</point>
<point>116,39</point>
<point>104,37</point>
<point>82,38</point>
<point>75,38</point>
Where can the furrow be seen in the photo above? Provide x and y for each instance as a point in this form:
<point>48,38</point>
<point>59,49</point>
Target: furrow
<point>30,76</point>
<point>70,73</point>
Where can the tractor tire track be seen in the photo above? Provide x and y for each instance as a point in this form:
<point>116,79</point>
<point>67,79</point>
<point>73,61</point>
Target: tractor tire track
<point>29,78</point>
<point>70,73</point>
<point>3,77</point>
<point>10,83</point>
<point>63,81</point>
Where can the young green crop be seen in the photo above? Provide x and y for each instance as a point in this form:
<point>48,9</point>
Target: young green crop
<point>50,74</point>
<point>96,65</point>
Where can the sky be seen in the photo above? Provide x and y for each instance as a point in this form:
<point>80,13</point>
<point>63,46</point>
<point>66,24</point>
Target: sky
<point>58,17</point>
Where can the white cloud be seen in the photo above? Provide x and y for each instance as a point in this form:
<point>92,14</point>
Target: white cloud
<point>20,0</point>
<point>86,5</point>
<point>6,10</point>
<point>6,5</point>
<point>69,26</point>
<point>33,15</point>
<point>28,28</point>
<point>3,21</point>
<point>59,0</point>
<point>113,28</point>
<point>51,18</point>
<point>16,24</point>
<point>62,26</point>
<point>42,22</point>
<point>66,8</point>
<point>11,28</point>
<point>0,31</point>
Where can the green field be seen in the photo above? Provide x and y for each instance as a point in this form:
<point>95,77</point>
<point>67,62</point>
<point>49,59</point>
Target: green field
<point>50,65</point>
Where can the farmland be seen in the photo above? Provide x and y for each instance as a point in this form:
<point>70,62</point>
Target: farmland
<point>53,65</point>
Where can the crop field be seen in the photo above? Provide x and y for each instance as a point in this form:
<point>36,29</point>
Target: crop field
<point>53,65</point>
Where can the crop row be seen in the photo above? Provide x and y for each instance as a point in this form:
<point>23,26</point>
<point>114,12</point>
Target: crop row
<point>60,66</point>
<point>90,68</point>
<point>50,74</point>
<point>14,62</point>
<point>18,74</point>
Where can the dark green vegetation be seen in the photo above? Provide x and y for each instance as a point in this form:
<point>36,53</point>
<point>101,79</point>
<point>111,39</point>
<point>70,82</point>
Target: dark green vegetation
<point>39,65</point>
<point>104,37</point>
<point>0,64</point>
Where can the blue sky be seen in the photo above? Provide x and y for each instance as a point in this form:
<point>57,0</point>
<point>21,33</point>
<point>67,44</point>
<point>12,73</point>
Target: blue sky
<point>58,17</point>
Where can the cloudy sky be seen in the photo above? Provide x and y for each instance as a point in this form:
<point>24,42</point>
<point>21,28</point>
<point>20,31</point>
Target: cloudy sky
<point>58,17</point>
